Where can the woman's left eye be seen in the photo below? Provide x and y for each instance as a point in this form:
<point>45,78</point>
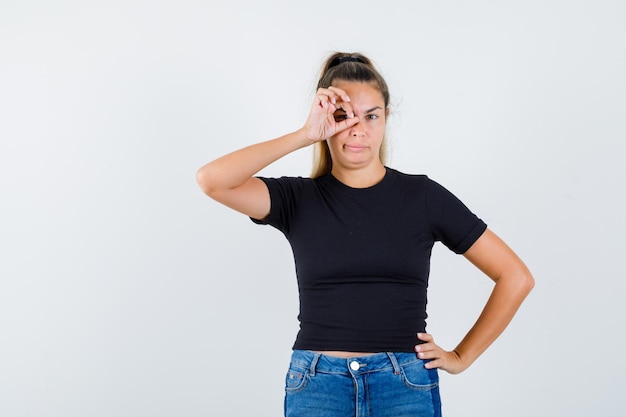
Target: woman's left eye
<point>372,116</point>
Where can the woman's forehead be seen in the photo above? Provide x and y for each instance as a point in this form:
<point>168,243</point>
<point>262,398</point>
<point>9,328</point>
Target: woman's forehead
<point>361,94</point>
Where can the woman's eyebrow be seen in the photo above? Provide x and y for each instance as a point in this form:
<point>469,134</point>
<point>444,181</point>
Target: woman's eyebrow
<point>366,111</point>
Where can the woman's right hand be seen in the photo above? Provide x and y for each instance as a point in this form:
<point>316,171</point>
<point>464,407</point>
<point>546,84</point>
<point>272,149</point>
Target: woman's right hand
<point>322,122</point>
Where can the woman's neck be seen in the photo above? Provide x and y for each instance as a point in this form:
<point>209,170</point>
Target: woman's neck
<point>360,177</point>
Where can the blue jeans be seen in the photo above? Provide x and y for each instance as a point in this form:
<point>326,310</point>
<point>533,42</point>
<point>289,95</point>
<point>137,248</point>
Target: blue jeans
<point>379,385</point>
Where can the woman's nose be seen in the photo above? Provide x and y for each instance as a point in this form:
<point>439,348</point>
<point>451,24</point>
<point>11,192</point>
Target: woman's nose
<point>356,130</point>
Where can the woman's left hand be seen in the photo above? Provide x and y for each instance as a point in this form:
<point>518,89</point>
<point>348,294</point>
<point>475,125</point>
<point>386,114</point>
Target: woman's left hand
<point>438,357</point>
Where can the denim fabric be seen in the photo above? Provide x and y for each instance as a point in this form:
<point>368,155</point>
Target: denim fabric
<point>379,385</point>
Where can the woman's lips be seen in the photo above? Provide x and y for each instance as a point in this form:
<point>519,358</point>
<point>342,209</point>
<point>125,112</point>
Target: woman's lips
<point>355,148</point>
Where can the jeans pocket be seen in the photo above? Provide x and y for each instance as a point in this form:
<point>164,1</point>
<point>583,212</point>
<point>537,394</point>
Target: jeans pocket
<point>296,380</point>
<point>416,377</point>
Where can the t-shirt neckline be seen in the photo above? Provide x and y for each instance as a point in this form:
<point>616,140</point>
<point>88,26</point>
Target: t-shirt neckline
<point>386,178</point>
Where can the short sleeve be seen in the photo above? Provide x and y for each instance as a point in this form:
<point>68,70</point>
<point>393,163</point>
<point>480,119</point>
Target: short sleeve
<point>284,196</point>
<point>451,221</point>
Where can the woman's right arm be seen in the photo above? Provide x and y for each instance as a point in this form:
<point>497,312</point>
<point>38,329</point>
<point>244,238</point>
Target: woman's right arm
<point>230,179</point>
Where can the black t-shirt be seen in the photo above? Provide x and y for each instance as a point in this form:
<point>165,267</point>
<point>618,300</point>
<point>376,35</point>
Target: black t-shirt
<point>362,255</point>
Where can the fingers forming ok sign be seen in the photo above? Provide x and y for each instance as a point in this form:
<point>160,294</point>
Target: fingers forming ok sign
<point>322,122</point>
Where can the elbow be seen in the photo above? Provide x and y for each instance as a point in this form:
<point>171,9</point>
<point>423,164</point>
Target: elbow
<point>525,282</point>
<point>205,181</point>
<point>529,282</point>
<point>519,282</point>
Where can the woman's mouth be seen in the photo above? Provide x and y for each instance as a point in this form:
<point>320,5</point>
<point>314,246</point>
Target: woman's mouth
<point>354,148</point>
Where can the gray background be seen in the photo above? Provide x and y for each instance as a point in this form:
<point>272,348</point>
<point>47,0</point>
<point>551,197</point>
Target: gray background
<point>126,292</point>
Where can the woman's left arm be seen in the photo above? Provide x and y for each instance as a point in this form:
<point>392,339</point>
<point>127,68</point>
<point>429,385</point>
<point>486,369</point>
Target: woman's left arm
<point>513,282</point>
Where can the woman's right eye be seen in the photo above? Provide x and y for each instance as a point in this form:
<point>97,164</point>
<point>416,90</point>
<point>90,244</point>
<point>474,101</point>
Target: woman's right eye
<point>341,116</point>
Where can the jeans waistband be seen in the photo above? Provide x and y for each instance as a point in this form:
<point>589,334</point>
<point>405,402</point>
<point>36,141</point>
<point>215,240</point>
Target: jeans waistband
<point>318,362</point>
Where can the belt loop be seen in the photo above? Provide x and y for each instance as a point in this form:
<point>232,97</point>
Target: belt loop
<point>394,363</point>
<point>316,357</point>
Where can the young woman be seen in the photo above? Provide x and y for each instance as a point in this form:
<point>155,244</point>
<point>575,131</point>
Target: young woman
<point>362,235</point>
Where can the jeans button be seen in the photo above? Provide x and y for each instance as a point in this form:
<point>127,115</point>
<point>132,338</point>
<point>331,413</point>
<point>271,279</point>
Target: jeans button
<point>354,365</point>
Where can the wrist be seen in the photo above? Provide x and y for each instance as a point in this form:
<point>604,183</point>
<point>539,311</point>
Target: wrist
<point>462,359</point>
<point>303,137</point>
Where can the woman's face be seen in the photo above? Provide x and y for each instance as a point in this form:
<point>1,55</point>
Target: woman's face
<point>359,145</point>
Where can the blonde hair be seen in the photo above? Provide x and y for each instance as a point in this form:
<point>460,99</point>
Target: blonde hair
<point>347,67</point>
